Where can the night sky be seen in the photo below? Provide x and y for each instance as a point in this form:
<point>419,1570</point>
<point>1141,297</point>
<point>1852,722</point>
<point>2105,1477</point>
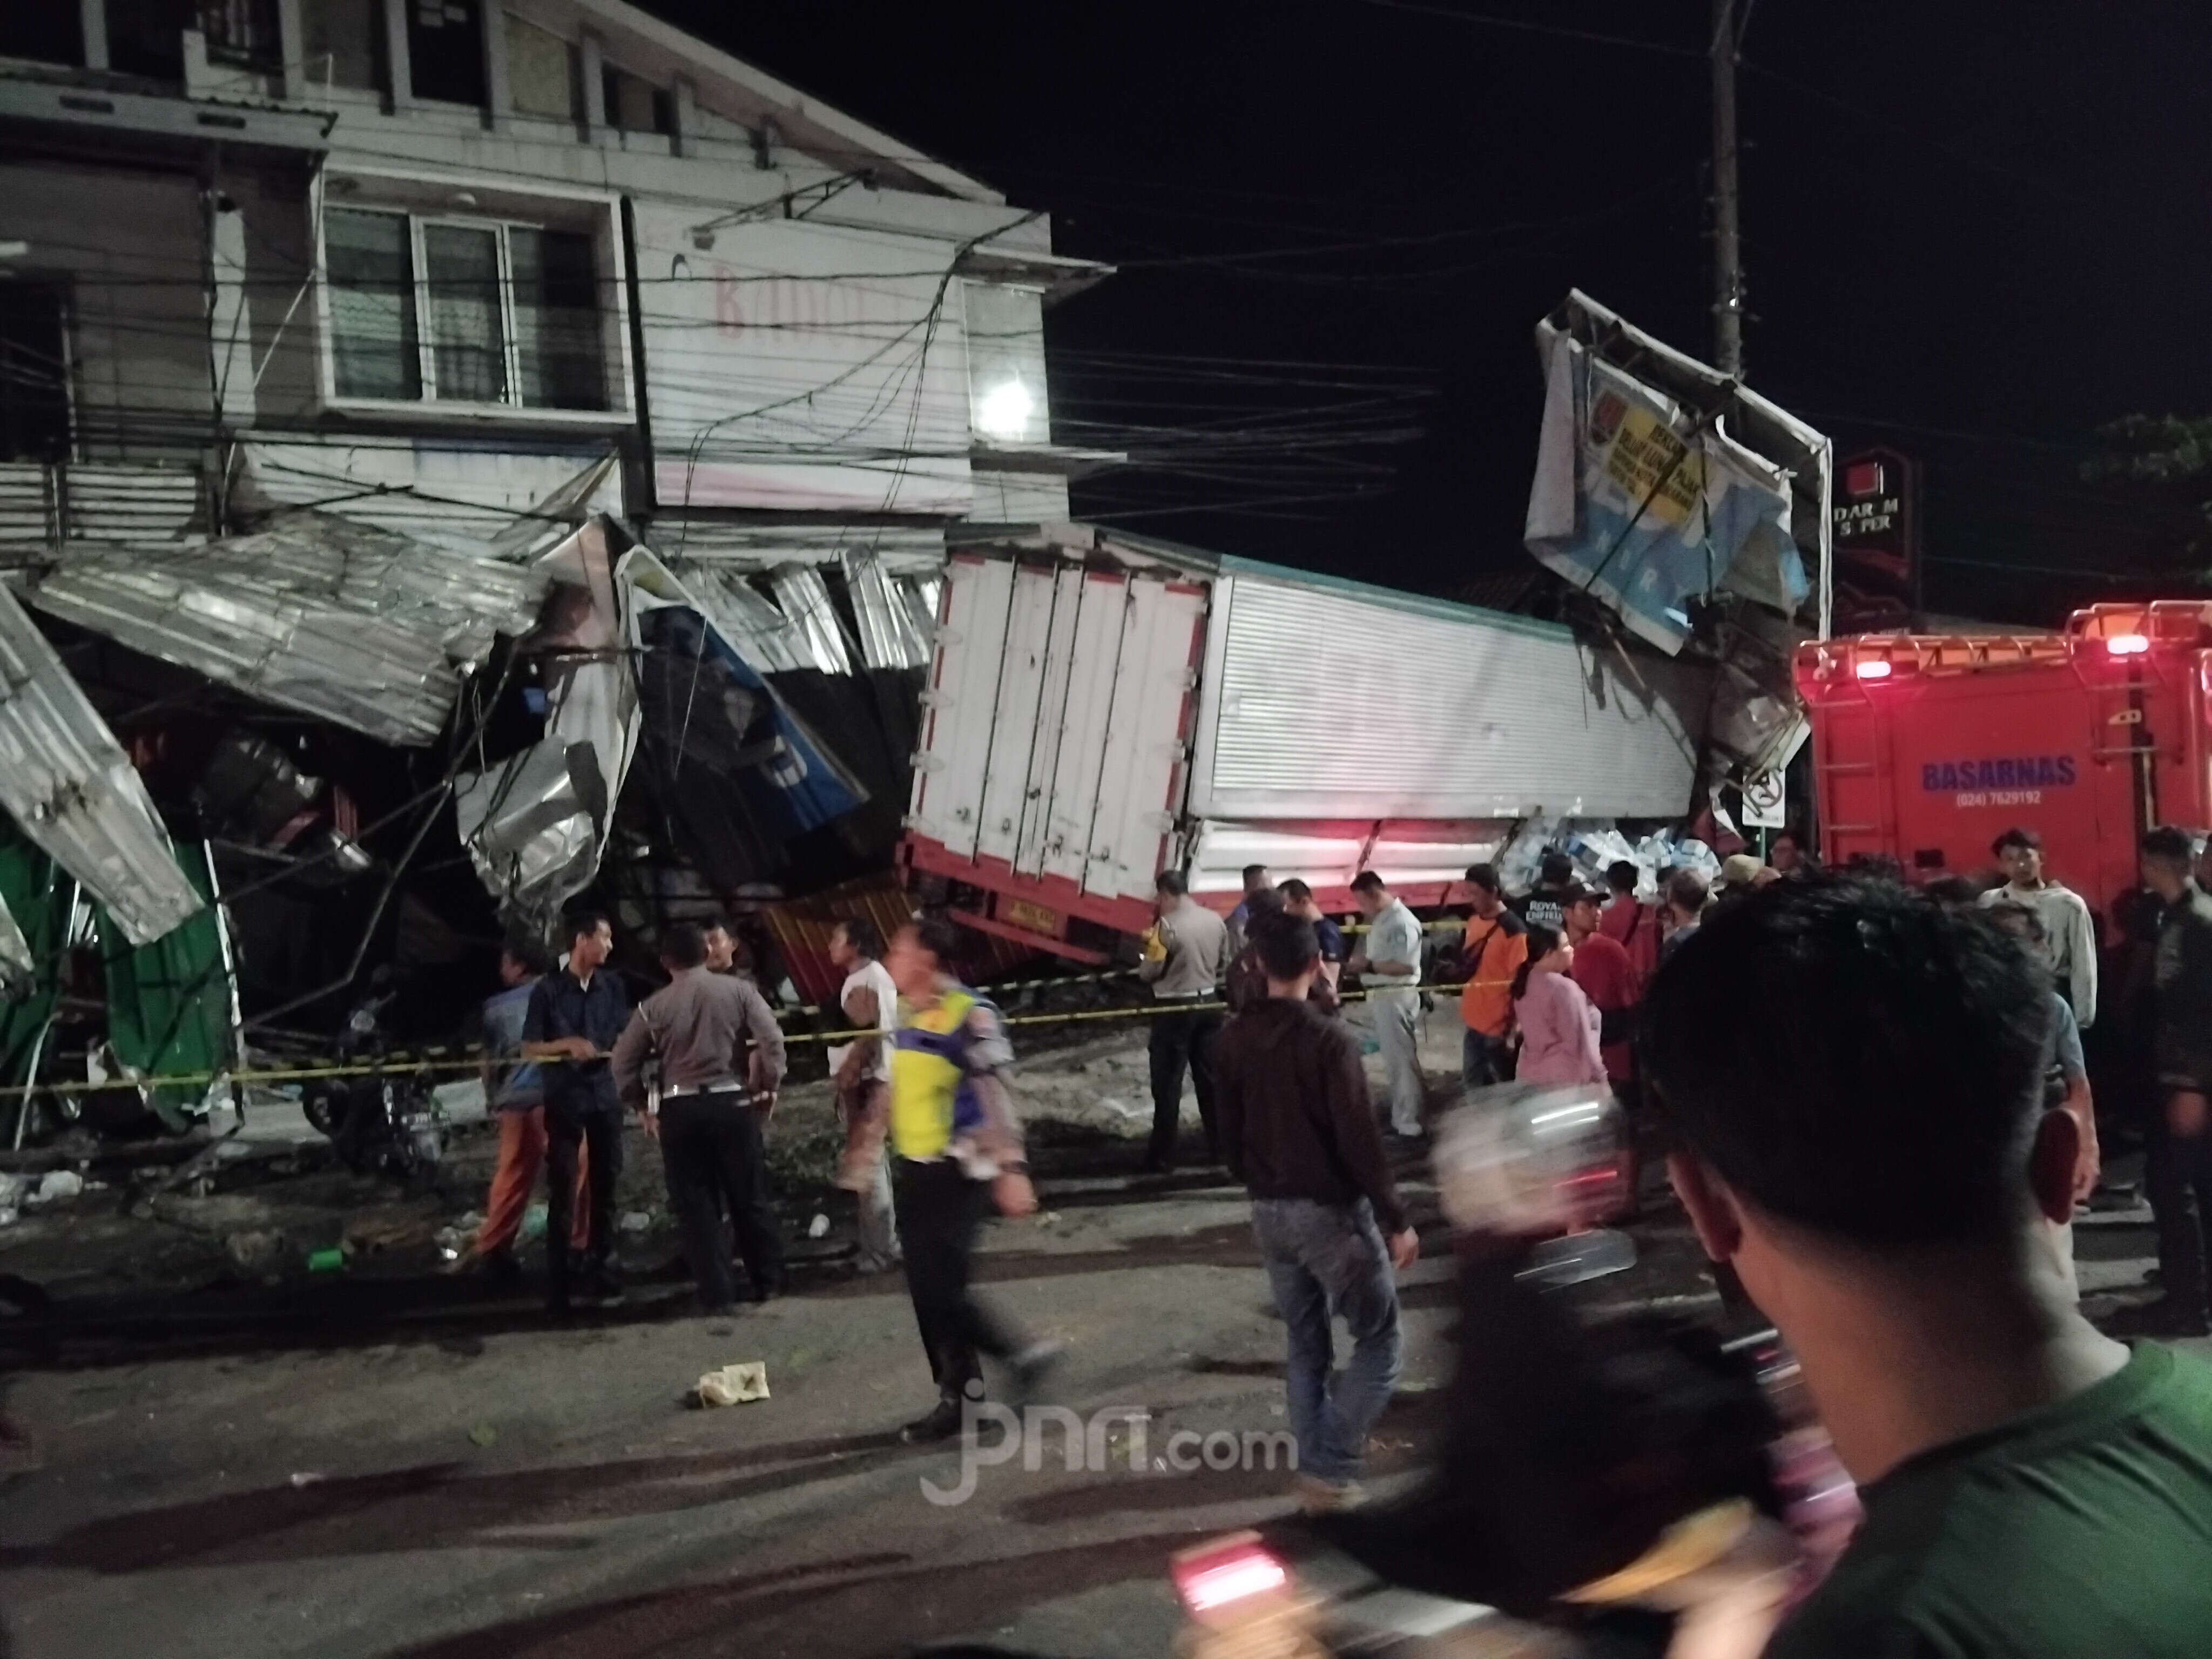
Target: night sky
<point>1974,232</point>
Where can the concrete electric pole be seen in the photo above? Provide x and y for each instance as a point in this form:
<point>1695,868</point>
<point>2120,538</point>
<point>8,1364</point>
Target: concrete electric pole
<point>1728,249</point>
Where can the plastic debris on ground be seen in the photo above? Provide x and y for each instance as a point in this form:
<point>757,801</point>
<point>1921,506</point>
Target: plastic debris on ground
<point>55,1184</point>
<point>733,1385</point>
<point>1596,844</point>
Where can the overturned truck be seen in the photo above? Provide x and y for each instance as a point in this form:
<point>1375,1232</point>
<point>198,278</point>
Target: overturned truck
<point>1101,707</point>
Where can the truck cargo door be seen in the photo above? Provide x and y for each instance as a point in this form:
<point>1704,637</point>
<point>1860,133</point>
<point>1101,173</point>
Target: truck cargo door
<point>961,703</point>
<point>1094,658</point>
<point>1035,832</point>
<point>1015,729</point>
<point>1142,777</point>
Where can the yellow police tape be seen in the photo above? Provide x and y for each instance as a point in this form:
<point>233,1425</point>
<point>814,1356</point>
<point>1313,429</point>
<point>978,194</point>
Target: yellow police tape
<point>442,1059</point>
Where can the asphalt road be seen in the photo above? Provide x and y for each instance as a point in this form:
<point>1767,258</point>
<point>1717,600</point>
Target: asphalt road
<point>414,1466</point>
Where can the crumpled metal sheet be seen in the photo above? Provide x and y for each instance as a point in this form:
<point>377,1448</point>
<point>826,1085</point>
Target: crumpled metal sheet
<point>804,597</point>
<point>337,620</point>
<point>755,629</point>
<point>533,825</point>
<point>18,968</point>
<point>884,607</point>
<point>70,786</point>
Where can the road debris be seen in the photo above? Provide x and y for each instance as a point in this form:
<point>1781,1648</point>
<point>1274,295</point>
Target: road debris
<point>733,1385</point>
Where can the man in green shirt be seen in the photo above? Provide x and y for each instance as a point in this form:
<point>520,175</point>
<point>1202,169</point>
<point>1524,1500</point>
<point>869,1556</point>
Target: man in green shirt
<point>1855,1073</point>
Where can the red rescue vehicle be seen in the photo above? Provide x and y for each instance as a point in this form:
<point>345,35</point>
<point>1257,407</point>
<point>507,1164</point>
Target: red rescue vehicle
<point>1926,748</point>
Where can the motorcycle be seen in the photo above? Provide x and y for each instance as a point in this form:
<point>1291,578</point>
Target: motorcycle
<point>380,1121</point>
<point>1606,1485</point>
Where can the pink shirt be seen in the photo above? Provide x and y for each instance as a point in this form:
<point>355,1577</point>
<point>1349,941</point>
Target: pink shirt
<point>1558,1033</point>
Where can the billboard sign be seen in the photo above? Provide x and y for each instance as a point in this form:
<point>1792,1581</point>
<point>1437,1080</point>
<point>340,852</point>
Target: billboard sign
<point>1650,506</point>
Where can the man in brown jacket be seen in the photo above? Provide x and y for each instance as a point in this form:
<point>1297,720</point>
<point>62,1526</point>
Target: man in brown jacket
<point>1298,1129</point>
<point>709,1134</point>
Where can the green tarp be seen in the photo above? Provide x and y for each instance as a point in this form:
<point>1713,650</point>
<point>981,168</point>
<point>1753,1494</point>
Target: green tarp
<point>39,896</point>
<point>168,1003</point>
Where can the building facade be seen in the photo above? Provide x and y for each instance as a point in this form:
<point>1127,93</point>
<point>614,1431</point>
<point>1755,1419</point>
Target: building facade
<point>430,264</point>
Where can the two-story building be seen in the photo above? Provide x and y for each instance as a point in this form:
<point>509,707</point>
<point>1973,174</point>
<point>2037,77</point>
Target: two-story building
<point>428,263</point>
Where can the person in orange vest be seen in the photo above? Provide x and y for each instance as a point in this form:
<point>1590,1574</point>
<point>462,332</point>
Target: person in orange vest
<point>1492,951</point>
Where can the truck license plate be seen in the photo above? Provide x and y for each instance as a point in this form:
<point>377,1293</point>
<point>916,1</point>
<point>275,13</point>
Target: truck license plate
<point>1034,917</point>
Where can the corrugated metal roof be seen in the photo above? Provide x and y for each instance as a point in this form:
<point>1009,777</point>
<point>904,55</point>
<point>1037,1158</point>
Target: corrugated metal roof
<point>332,618</point>
<point>67,784</point>
<point>896,618</point>
<point>803,596</point>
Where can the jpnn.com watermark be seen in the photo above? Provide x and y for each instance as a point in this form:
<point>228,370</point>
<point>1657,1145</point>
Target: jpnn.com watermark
<point>1091,1445</point>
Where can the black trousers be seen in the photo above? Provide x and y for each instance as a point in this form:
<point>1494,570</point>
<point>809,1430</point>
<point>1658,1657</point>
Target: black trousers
<point>602,1131</point>
<point>940,1212</point>
<point>2178,1180</point>
<point>710,1150</point>
<point>1182,1041</point>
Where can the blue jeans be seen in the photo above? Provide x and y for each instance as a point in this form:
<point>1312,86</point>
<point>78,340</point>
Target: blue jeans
<point>1483,1060</point>
<point>1323,1259</point>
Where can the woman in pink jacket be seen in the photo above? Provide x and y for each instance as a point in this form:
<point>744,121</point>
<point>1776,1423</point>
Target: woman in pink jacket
<point>1559,1023</point>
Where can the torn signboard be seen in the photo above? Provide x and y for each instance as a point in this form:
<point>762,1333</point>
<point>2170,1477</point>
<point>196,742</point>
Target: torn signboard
<point>736,770</point>
<point>338,620</point>
<point>1659,481</point>
<point>67,784</point>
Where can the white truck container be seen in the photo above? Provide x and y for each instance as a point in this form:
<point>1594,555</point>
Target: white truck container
<point>1101,707</point>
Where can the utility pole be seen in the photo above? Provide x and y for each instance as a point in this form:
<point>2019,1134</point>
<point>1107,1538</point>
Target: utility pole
<point>1728,249</point>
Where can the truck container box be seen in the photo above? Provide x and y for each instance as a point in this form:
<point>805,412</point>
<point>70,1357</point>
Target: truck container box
<point>1099,711</point>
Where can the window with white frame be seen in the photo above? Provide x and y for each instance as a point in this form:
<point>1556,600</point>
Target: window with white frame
<point>466,311</point>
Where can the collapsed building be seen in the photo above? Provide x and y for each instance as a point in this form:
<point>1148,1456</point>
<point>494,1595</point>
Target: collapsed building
<point>337,332</point>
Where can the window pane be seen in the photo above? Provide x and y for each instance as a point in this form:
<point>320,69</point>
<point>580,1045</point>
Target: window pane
<point>541,72</point>
<point>445,50</point>
<point>344,43</point>
<point>468,346</point>
<point>558,344</point>
<point>372,275</point>
<point>631,104</point>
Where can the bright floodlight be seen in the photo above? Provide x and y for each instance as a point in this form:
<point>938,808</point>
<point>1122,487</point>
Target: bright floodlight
<point>1874,669</point>
<point>2127,645</point>
<point>1006,410</point>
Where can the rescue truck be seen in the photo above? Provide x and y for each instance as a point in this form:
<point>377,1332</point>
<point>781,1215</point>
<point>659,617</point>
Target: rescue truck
<point>1927,747</point>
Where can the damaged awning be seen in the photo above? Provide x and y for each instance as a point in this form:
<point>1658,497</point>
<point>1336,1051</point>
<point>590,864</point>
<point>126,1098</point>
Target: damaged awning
<point>316,613</point>
<point>67,783</point>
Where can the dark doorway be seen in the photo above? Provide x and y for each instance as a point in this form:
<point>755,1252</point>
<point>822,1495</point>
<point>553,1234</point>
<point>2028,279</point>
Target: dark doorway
<point>34,391</point>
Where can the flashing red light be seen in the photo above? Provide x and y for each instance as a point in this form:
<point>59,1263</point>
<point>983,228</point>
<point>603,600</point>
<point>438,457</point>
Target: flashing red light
<point>1864,478</point>
<point>1215,1581</point>
<point>2128,645</point>
<point>1877,668</point>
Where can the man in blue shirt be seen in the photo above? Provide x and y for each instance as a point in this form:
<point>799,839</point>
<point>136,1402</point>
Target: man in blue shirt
<point>573,1019</point>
